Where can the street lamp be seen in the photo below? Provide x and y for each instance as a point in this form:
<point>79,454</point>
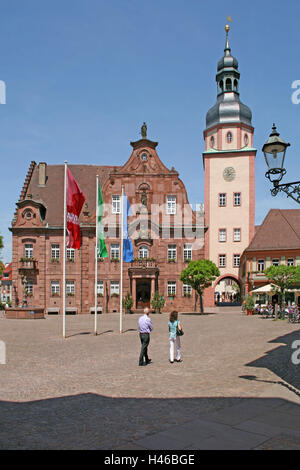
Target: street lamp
<point>274,151</point>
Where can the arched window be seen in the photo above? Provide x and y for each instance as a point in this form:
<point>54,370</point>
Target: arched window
<point>246,139</point>
<point>143,252</point>
<point>212,141</point>
<point>235,85</point>
<point>221,85</point>
<point>228,84</point>
<point>229,137</point>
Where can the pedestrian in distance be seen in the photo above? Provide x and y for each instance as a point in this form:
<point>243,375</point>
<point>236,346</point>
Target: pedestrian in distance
<point>173,324</point>
<point>145,328</point>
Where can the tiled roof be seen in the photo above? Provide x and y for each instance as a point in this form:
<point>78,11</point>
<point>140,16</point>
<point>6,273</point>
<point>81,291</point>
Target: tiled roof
<point>52,194</point>
<point>280,230</point>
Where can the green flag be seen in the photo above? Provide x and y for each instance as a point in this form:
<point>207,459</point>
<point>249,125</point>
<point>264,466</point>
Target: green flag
<point>101,247</point>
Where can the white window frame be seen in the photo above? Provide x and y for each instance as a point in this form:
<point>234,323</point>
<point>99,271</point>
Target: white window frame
<point>236,261</point>
<point>222,199</point>
<point>116,204</point>
<point>222,235</point>
<point>237,199</point>
<point>172,252</point>
<point>143,252</point>
<point>114,287</point>
<point>171,204</point>
<point>171,288</point>
<point>100,287</point>
<point>115,251</point>
<point>260,265</point>
<point>222,260</point>
<point>70,287</point>
<point>28,250</point>
<point>187,251</point>
<point>236,234</point>
<point>29,286</point>
<point>55,251</point>
<point>71,253</point>
<point>186,289</point>
<point>55,287</point>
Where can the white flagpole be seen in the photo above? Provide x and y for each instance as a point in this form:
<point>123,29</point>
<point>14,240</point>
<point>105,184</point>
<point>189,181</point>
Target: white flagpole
<point>64,252</point>
<point>96,255</point>
<point>121,261</point>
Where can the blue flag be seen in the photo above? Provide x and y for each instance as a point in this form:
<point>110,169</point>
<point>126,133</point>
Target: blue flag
<point>127,245</point>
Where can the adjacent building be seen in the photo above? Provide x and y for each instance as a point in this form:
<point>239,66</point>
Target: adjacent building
<point>6,284</point>
<point>276,242</point>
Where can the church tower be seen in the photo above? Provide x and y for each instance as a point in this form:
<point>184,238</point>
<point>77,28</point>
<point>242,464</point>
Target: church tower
<point>229,165</point>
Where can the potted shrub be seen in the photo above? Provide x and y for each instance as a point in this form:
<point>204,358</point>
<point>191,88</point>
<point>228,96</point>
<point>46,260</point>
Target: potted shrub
<point>250,305</point>
<point>157,302</point>
<point>128,303</point>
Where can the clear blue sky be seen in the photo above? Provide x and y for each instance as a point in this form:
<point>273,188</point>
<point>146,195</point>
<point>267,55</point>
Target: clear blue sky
<point>82,76</point>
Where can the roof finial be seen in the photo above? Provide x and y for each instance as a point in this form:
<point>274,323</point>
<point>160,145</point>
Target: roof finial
<point>227,28</point>
<point>144,131</point>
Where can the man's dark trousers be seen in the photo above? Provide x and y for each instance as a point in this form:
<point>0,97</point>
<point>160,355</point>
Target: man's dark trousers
<point>145,339</point>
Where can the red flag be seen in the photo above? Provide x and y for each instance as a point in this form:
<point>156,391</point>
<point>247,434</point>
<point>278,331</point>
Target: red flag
<point>75,200</point>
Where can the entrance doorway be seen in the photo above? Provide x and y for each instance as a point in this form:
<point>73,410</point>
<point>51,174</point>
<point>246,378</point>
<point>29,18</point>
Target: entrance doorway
<point>143,293</point>
<point>227,292</point>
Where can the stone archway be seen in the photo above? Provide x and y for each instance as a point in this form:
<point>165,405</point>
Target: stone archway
<point>227,291</point>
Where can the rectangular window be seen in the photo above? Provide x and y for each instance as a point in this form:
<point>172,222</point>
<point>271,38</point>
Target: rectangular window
<point>275,262</point>
<point>71,254</point>
<point>222,235</point>
<point>171,205</point>
<point>186,290</point>
<point>222,261</point>
<point>171,288</point>
<point>172,252</point>
<point>55,251</point>
<point>187,251</point>
<point>100,287</point>
<point>29,287</point>
<point>290,261</point>
<point>236,234</point>
<point>114,287</point>
<point>222,199</point>
<point>237,199</point>
<point>28,250</point>
<point>261,265</point>
<point>55,288</point>
<point>70,287</point>
<point>236,261</point>
<point>115,251</point>
<point>116,204</point>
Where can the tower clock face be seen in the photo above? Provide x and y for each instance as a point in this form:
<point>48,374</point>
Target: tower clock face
<point>229,173</point>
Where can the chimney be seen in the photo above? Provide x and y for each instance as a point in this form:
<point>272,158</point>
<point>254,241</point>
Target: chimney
<point>42,174</point>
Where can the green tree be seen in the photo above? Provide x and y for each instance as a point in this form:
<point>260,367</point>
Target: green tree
<point>283,277</point>
<point>199,275</point>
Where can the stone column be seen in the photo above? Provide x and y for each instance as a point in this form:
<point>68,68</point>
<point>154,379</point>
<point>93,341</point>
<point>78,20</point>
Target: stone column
<point>134,293</point>
<point>152,287</point>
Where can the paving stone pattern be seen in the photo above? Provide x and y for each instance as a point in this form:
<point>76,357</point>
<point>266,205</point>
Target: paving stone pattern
<point>235,389</point>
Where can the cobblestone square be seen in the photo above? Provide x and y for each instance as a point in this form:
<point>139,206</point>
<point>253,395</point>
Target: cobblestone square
<point>236,387</point>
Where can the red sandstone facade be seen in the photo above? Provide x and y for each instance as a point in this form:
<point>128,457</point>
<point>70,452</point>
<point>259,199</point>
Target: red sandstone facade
<point>162,229</point>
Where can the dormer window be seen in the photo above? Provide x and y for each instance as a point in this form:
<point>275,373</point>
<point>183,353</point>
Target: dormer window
<point>144,157</point>
<point>229,137</point>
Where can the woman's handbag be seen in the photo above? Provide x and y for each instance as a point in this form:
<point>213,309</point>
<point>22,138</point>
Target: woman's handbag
<point>179,332</point>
